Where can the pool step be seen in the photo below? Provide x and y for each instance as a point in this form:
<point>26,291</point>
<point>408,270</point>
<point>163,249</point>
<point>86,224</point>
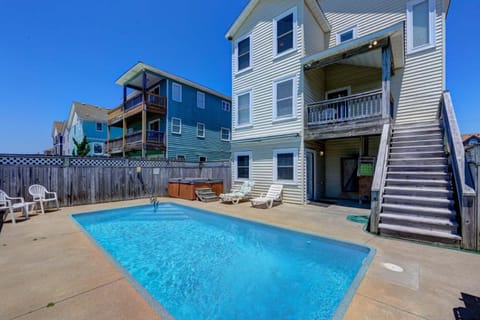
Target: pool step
<point>206,195</point>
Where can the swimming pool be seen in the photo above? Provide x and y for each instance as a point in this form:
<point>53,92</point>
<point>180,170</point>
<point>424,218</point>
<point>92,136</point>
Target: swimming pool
<point>202,265</point>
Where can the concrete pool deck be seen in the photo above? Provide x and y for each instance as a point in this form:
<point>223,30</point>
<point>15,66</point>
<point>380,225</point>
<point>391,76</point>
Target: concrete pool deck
<point>49,269</point>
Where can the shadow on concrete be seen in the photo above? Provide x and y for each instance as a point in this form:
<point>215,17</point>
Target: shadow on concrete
<point>471,311</point>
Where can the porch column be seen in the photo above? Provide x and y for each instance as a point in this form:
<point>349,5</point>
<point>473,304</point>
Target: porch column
<point>386,76</point>
<point>144,114</point>
<point>124,123</point>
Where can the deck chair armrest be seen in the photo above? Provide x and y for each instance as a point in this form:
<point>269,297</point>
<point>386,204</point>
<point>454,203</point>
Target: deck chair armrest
<point>18,199</point>
<point>51,192</point>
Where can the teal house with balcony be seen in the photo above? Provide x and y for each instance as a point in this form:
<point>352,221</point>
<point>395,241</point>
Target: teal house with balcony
<point>165,116</point>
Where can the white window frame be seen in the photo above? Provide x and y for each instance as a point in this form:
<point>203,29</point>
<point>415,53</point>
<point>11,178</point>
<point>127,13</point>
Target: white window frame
<point>348,88</point>
<point>101,146</point>
<point>226,106</point>
<point>180,125</point>
<point>294,31</point>
<point>250,58</point>
<point>431,23</point>
<point>101,126</point>
<point>179,87</point>
<point>152,122</point>
<point>294,151</point>
<point>294,99</point>
<point>200,100</point>
<point>243,125</point>
<point>235,165</point>
<point>201,124</point>
<point>354,30</point>
<point>229,134</point>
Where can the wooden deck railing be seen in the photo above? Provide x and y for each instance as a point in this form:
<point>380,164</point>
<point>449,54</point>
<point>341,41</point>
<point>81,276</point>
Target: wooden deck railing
<point>151,99</point>
<point>155,137</point>
<point>354,107</point>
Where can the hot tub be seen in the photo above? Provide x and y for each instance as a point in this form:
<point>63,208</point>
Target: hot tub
<point>184,188</point>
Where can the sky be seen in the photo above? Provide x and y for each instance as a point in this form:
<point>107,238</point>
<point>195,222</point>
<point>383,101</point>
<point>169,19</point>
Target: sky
<point>53,52</point>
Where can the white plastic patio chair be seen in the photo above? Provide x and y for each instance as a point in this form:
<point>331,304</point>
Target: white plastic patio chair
<point>9,204</point>
<point>41,195</point>
<point>236,195</point>
<point>274,193</point>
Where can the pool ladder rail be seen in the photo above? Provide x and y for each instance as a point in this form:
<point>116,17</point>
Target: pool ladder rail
<point>154,202</point>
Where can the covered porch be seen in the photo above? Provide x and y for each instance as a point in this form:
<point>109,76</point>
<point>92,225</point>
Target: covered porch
<point>348,88</point>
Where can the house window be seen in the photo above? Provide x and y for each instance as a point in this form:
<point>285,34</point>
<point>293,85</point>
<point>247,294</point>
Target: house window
<point>99,126</point>
<point>176,92</point>
<point>244,112</point>
<point>200,100</point>
<point>285,165</point>
<point>98,148</point>
<point>284,33</point>
<point>420,25</point>
<point>200,130</point>
<point>225,134</point>
<point>284,98</point>
<point>243,53</point>
<point>176,125</point>
<point>225,105</point>
<point>242,163</point>
<point>180,157</point>
<point>202,159</point>
<point>348,34</point>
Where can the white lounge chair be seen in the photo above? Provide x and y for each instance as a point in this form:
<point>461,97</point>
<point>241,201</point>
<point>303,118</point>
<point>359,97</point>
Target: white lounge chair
<point>236,195</point>
<point>274,193</point>
<point>39,194</point>
<point>9,204</point>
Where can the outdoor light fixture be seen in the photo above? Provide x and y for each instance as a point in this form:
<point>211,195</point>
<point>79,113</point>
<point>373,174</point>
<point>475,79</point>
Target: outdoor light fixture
<point>372,44</point>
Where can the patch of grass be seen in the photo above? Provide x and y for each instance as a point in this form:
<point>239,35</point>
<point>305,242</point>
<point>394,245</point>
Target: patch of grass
<point>50,304</point>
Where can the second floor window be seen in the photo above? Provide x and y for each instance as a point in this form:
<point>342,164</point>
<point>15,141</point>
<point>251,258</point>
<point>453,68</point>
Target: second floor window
<point>284,97</point>
<point>176,125</point>
<point>200,100</point>
<point>244,109</point>
<point>225,105</point>
<point>176,92</point>
<point>243,53</point>
<point>99,126</point>
<point>420,25</point>
<point>285,31</point>
<point>200,130</point>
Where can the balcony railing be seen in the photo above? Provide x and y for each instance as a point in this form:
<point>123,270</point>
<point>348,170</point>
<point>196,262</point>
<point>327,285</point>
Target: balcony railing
<point>354,107</point>
<point>153,137</point>
<point>152,99</point>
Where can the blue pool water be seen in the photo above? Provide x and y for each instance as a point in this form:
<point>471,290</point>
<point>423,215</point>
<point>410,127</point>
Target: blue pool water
<point>202,265</point>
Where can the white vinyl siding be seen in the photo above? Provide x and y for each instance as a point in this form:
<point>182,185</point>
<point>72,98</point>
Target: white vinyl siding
<point>176,126</point>
<point>284,35</point>
<point>284,94</point>
<point>200,130</point>
<point>266,70</point>
<point>422,80</point>
<point>176,92</point>
<point>244,109</point>
<point>420,25</point>
<point>200,100</point>
<point>243,54</point>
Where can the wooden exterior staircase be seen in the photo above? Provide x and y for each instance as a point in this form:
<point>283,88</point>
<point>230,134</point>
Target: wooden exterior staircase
<point>417,201</point>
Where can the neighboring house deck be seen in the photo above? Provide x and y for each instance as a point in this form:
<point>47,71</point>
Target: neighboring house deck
<point>166,116</point>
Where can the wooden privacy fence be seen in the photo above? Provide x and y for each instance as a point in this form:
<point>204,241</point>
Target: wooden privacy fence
<point>91,180</point>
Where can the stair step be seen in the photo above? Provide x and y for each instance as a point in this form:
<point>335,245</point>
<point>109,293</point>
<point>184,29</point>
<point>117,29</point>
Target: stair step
<point>417,154</point>
<point>418,161</point>
<point>419,231</point>
<point>423,175</point>
<point>418,124</point>
<point>417,210</point>
<point>415,137</point>
<point>421,148</point>
<point>418,191</point>
<point>419,141</point>
<point>417,130</point>
<point>434,202</point>
<point>418,167</point>
<point>418,182</point>
<point>432,223</point>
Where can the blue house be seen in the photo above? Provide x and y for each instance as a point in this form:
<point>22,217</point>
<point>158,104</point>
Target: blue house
<point>89,121</point>
<point>166,116</point>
